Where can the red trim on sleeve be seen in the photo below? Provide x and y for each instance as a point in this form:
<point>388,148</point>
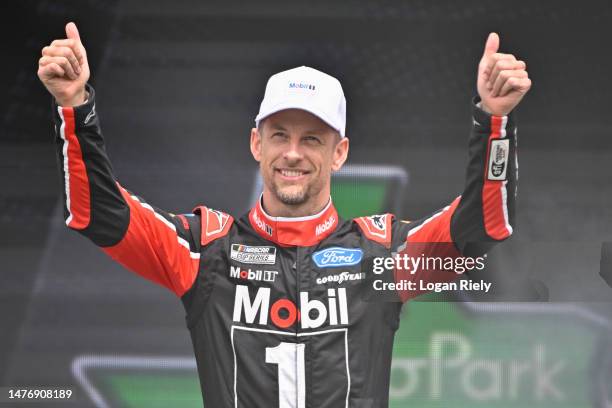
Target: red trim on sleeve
<point>75,174</point>
<point>494,193</point>
<point>152,248</point>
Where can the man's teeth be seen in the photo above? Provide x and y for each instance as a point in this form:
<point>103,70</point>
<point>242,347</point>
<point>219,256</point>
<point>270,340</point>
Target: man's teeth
<point>292,173</point>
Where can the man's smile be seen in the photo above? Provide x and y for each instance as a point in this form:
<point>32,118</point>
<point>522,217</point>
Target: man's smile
<point>291,174</point>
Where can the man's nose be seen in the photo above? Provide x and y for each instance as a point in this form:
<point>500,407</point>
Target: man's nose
<point>293,152</point>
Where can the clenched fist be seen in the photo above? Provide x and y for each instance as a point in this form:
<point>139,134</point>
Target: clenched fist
<point>502,79</point>
<point>63,68</point>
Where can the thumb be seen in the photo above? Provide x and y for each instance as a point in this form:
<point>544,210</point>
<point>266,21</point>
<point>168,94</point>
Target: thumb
<point>492,44</point>
<point>72,32</point>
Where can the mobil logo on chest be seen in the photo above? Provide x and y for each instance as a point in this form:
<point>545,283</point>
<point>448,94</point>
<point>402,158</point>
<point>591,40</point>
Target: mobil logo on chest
<point>337,257</point>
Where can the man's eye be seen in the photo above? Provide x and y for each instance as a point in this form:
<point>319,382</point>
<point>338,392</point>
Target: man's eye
<point>312,139</point>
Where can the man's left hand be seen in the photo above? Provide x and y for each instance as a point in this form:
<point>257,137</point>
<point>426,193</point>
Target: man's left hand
<point>502,79</point>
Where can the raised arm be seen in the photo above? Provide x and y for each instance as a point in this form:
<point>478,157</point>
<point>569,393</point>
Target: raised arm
<point>157,245</point>
<point>484,213</point>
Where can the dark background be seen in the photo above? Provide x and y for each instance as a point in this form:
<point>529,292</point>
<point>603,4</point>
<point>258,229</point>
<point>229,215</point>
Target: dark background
<point>178,86</point>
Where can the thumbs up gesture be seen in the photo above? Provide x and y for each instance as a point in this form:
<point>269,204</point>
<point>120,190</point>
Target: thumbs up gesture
<point>502,79</point>
<point>63,68</point>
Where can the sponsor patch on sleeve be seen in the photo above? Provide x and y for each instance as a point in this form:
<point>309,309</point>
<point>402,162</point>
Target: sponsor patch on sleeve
<point>498,159</point>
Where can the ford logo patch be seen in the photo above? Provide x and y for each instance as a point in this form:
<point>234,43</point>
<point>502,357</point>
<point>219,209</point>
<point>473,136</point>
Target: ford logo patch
<point>336,256</point>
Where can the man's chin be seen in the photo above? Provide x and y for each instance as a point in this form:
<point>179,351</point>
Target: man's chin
<point>292,197</point>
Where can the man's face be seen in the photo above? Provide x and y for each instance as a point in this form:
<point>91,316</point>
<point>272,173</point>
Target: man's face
<point>297,153</point>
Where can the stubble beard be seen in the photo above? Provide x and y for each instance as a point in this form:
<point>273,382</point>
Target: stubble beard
<point>295,196</point>
<point>292,197</point>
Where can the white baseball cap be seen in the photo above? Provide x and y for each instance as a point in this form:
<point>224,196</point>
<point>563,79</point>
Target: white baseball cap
<point>307,89</point>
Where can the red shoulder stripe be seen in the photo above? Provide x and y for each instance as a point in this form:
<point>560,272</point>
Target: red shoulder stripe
<point>437,227</point>
<point>377,228</point>
<point>215,224</point>
<point>153,249</point>
<point>432,238</point>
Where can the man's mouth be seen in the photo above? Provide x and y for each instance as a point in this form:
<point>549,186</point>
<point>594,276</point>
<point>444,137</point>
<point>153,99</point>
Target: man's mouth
<point>291,174</point>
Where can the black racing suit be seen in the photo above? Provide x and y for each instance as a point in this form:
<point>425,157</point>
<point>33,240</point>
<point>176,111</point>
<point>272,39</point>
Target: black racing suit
<point>281,311</point>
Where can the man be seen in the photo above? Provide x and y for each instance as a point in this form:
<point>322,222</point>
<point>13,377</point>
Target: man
<point>271,323</point>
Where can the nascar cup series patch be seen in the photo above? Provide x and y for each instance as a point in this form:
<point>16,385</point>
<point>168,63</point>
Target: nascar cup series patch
<point>498,159</point>
<point>253,254</point>
<point>336,257</point>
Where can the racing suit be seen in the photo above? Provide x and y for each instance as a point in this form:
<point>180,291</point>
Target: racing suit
<point>280,310</point>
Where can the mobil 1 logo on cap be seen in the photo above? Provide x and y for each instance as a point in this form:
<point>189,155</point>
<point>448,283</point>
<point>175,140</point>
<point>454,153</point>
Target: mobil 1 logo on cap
<point>498,159</point>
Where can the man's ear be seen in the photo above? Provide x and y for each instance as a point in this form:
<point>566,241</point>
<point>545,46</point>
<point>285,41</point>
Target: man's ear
<point>256,144</point>
<point>340,153</point>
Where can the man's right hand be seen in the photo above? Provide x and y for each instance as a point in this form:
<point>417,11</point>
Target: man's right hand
<point>63,68</point>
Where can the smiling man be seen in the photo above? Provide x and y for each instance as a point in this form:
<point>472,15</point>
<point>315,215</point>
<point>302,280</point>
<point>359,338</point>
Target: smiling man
<point>276,299</point>
<point>299,140</point>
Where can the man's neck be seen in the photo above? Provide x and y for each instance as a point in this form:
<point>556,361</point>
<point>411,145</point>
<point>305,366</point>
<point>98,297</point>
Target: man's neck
<point>301,230</point>
<point>275,208</point>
